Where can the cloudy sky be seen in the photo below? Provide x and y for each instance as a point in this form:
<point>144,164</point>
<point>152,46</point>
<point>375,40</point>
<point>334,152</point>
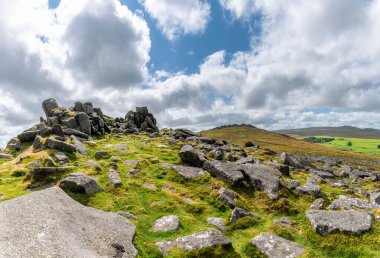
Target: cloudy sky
<point>194,63</point>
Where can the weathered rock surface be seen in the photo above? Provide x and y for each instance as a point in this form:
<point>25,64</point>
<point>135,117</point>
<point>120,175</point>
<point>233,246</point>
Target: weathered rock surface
<point>317,204</point>
<point>375,198</point>
<point>211,237</point>
<point>49,223</point>
<point>81,148</point>
<point>191,156</point>
<point>28,136</point>
<point>350,222</point>
<point>101,154</point>
<point>239,213</point>
<point>14,144</point>
<point>5,156</point>
<point>288,183</point>
<point>287,160</point>
<point>188,172</point>
<point>347,203</point>
<point>227,197</point>
<point>94,165</point>
<point>114,178</point>
<point>80,183</point>
<point>284,222</point>
<point>311,187</point>
<point>60,145</point>
<point>224,170</point>
<point>277,247</point>
<point>217,222</point>
<point>166,223</point>
<point>48,106</point>
<point>263,178</point>
<point>62,158</point>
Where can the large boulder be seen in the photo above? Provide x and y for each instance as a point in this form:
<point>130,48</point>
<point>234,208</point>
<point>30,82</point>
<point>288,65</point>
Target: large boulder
<point>14,144</point>
<point>48,106</point>
<point>225,170</point>
<point>191,156</point>
<point>49,223</point>
<point>80,183</point>
<point>263,178</point>
<point>28,136</point>
<point>277,247</point>
<point>83,122</point>
<point>211,237</point>
<point>350,222</point>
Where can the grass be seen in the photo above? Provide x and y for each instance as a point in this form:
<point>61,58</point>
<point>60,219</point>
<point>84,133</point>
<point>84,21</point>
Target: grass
<point>172,195</point>
<point>359,145</point>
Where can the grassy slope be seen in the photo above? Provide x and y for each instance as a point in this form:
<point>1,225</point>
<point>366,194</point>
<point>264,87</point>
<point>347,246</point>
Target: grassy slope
<point>154,156</point>
<point>359,145</point>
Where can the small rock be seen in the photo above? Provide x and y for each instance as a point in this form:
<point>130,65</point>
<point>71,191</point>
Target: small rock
<point>277,247</point>
<point>287,160</point>
<point>150,186</point>
<point>375,198</point>
<point>317,204</point>
<point>133,172</point>
<point>239,213</point>
<point>227,197</point>
<point>166,223</point>
<point>94,165</point>
<point>249,144</point>
<point>80,183</point>
<point>133,163</point>
<point>114,178</point>
<point>285,222</point>
<point>38,144</point>
<point>5,156</point>
<point>62,158</point>
<point>100,154</point>
<point>121,147</point>
<point>248,159</point>
<point>311,187</point>
<point>217,222</point>
<point>127,215</point>
<point>14,144</point>
<point>288,183</point>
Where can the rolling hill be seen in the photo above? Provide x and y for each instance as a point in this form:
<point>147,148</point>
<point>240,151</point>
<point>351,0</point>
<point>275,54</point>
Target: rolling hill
<point>341,131</point>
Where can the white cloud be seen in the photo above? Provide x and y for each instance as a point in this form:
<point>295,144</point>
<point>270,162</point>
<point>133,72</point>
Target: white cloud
<point>175,18</point>
<point>239,8</point>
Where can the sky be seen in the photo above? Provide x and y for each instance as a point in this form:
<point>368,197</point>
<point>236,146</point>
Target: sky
<point>195,63</point>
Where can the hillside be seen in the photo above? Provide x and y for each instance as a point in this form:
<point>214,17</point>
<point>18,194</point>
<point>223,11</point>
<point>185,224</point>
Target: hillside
<point>342,131</point>
<point>144,192</point>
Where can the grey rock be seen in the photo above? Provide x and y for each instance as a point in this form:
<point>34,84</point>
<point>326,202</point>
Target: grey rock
<point>61,157</point>
<point>284,222</point>
<point>52,120</point>
<point>191,156</point>
<point>217,154</point>
<point>133,163</point>
<point>83,122</point>
<point>188,172</point>
<point>347,203</point>
<point>133,172</point>
<point>343,172</point>
<point>14,144</point>
<point>70,122</point>
<point>70,131</point>
<point>78,107</point>
<point>48,106</point>
<point>350,222</point>
<point>28,136</point>
<point>59,145</point>
<point>277,247</point>
<point>38,172</point>
<point>88,107</point>
<point>322,174</point>
<point>94,165</point>
<point>166,223</point>
<point>101,154</point>
<point>5,156</point>
<point>263,178</point>
<point>196,241</point>
<point>317,204</point>
<point>311,187</point>
<point>360,174</point>
<point>288,183</point>
<point>375,198</point>
<point>201,139</point>
<point>217,222</point>
<point>121,147</point>
<point>287,160</point>
<point>114,178</point>
<point>224,170</point>
<point>49,223</point>
<point>249,159</point>
<point>328,160</point>
<point>81,148</point>
<point>227,197</point>
<point>239,213</point>
<point>57,130</point>
<point>127,215</point>
<point>80,183</point>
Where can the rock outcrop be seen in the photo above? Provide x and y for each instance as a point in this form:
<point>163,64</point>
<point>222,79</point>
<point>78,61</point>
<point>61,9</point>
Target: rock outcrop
<point>51,224</point>
<point>80,183</point>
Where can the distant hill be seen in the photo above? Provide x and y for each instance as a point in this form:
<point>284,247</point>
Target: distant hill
<point>341,131</point>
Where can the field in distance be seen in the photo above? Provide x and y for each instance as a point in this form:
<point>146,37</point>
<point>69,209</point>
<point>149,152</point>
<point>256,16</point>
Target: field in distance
<point>358,145</point>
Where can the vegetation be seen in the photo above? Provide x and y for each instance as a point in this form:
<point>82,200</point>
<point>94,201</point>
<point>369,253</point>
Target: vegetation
<point>196,200</point>
<point>313,139</point>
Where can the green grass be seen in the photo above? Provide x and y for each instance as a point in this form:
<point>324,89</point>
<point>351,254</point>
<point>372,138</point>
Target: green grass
<point>367,146</point>
<point>172,193</point>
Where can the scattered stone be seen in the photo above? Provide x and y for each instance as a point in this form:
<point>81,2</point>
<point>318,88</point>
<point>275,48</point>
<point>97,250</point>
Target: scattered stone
<point>317,204</point>
<point>201,139</point>
<point>227,197</point>
<point>249,159</point>
<point>349,222</point>
<point>347,203</point>
<point>28,136</point>
<point>150,186</point>
<point>59,145</point>
<point>360,174</point>
<point>114,178</point>
<point>322,174</point>
<point>343,172</point>
<point>375,198</point>
<point>217,222</point>
<point>80,183</point>
<point>288,183</point>
<point>49,223</point>
<point>61,157</point>
<point>127,214</point>
<point>14,144</point>
<point>328,160</point>
<point>121,147</point>
<point>196,241</point>
<point>191,156</point>
<point>188,172</point>
<point>284,222</point>
<point>263,178</point>
<point>94,165</point>
<point>133,163</point>
<point>277,247</point>
<point>81,148</point>
<point>166,223</point>
<point>239,213</point>
<point>287,160</point>
<point>339,183</point>
<point>133,172</point>
<point>311,187</point>
<point>100,154</point>
<point>217,154</point>
<point>224,170</point>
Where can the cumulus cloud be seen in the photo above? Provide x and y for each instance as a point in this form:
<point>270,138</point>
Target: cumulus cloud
<point>175,18</point>
<point>239,8</point>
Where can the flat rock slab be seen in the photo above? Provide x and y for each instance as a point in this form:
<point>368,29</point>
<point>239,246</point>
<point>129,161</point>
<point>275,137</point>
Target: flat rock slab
<point>227,171</point>
<point>263,178</point>
<point>350,222</point>
<point>166,223</point>
<point>49,223</point>
<point>80,183</point>
<point>211,237</point>
<point>277,247</point>
<point>188,172</point>
<point>347,203</point>
<point>191,156</point>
